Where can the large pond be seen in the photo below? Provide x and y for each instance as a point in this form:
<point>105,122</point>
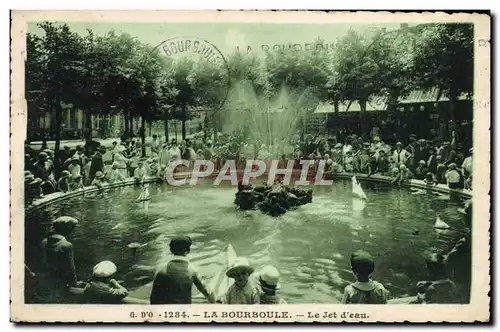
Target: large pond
<point>311,245</point>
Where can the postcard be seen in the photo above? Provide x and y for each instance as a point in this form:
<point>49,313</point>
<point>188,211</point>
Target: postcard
<point>250,166</point>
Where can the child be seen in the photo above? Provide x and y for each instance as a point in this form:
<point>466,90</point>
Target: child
<point>133,163</point>
<point>364,290</point>
<point>452,177</point>
<point>99,180</point>
<point>439,289</point>
<point>76,183</point>
<point>174,281</point>
<point>348,162</point>
<point>141,171</point>
<point>268,279</point>
<point>429,180</point>
<point>115,175</point>
<point>58,253</point>
<point>241,291</point>
<point>63,183</point>
<point>102,288</point>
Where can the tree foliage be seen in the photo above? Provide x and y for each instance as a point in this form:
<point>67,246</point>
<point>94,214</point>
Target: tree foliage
<point>117,73</point>
<point>444,57</point>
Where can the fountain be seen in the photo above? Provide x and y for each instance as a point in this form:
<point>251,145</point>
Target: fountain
<point>271,121</point>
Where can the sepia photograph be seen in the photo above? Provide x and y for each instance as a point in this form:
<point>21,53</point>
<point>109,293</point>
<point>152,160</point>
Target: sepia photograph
<point>232,162</point>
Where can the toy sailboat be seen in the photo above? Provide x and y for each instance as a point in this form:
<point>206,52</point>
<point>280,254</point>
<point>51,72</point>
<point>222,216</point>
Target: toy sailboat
<point>358,205</point>
<point>357,190</point>
<point>441,224</point>
<point>144,195</point>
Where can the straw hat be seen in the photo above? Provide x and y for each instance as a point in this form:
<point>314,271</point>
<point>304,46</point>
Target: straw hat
<point>104,269</point>
<point>269,276</point>
<point>239,265</point>
<point>99,175</point>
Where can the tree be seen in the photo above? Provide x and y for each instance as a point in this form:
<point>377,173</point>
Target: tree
<point>210,81</point>
<point>299,70</point>
<point>55,72</point>
<point>394,54</point>
<point>36,94</point>
<point>186,97</point>
<point>444,58</point>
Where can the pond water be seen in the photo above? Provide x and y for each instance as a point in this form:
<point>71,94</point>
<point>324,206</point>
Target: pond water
<point>310,246</point>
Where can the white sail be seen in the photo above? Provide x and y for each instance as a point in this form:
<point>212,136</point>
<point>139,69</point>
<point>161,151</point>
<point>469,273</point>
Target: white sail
<point>441,224</point>
<point>358,204</point>
<point>356,189</point>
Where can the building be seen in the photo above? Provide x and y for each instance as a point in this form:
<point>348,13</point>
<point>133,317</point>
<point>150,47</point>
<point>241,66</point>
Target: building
<point>109,126</point>
<point>419,113</point>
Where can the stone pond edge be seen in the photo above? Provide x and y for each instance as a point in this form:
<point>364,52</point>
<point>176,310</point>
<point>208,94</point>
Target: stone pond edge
<point>59,196</point>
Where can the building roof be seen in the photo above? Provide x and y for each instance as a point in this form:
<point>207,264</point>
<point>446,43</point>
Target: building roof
<point>379,103</point>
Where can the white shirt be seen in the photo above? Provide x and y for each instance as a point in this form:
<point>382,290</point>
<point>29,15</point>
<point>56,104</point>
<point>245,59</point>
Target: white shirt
<point>400,158</point>
<point>467,164</point>
<point>75,170</point>
<point>175,151</point>
<point>452,176</point>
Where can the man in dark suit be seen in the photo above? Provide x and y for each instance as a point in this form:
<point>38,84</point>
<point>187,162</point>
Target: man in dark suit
<point>97,165</point>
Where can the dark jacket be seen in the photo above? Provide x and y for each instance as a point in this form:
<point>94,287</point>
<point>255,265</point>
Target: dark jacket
<point>59,260</point>
<point>96,165</point>
<point>100,292</point>
<point>173,283</point>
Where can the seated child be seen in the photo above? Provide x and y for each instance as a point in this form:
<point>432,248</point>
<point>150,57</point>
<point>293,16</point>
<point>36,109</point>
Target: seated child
<point>268,279</point>
<point>76,183</point>
<point>364,290</point>
<point>99,180</point>
<point>63,183</point>
<point>429,180</point>
<point>242,291</point>
<point>439,289</point>
<point>102,288</point>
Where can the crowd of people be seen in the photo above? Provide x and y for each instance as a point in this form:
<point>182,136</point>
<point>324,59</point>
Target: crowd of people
<point>433,161</point>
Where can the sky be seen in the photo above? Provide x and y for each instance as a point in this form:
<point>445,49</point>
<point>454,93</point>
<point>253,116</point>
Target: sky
<point>227,37</point>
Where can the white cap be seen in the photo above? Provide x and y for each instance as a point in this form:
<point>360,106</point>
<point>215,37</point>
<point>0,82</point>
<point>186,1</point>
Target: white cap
<point>270,275</point>
<point>104,269</point>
